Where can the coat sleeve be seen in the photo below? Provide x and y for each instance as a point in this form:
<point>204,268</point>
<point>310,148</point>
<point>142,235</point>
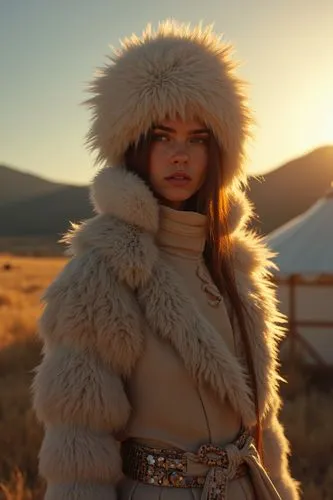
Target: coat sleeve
<point>276,453</point>
<point>78,393</point>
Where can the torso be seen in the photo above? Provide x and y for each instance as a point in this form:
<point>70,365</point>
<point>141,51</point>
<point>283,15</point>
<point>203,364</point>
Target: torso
<point>168,407</point>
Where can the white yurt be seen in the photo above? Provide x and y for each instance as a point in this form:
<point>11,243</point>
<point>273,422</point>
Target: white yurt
<point>304,248</point>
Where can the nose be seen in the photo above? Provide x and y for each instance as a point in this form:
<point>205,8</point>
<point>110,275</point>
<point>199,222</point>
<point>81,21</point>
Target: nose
<point>180,156</point>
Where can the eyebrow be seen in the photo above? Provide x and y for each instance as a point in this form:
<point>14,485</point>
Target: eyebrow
<point>171,130</point>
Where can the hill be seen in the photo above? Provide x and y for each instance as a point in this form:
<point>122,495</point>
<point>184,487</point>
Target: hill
<point>292,188</point>
<point>46,215</point>
<point>16,186</point>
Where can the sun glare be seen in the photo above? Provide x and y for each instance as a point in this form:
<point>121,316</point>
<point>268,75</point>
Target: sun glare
<point>323,130</point>
<point>328,126</point>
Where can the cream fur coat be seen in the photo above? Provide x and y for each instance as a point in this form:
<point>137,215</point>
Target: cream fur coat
<point>115,286</point>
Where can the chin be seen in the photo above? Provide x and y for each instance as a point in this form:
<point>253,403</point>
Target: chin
<point>180,199</point>
<point>176,198</point>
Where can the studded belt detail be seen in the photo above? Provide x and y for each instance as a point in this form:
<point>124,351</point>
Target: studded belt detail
<point>168,467</point>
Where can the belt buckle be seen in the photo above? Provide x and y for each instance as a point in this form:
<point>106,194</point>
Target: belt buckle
<point>213,456</point>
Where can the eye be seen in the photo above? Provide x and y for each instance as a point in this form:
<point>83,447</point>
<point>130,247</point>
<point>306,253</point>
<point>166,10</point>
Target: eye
<point>159,137</point>
<point>199,139</point>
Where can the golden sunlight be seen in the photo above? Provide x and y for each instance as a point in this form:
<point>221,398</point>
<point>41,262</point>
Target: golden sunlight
<point>328,126</point>
<point>321,129</point>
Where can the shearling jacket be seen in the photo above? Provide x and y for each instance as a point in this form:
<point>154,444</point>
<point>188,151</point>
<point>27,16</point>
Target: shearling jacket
<point>93,327</point>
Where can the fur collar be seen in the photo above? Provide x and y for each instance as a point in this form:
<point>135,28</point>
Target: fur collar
<point>124,232</point>
<point>124,195</point>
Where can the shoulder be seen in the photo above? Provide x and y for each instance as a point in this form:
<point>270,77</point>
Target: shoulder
<point>125,249</point>
<point>90,307</point>
<point>254,268</point>
<point>251,254</point>
<point>80,282</point>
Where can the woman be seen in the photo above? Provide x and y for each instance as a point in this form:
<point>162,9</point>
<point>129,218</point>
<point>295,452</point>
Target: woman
<point>159,377</point>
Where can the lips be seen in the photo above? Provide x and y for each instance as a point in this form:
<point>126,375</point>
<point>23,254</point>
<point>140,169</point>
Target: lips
<point>178,180</point>
<point>179,177</point>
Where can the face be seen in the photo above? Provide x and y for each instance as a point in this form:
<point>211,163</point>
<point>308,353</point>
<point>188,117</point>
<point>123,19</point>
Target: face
<point>178,160</point>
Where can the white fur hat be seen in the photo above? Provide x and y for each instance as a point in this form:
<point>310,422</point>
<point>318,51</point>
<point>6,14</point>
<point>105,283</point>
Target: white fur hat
<point>174,70</point>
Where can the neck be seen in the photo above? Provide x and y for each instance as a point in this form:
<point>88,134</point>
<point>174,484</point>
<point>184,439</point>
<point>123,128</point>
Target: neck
<point>182,233</point>
<point>174,205</point>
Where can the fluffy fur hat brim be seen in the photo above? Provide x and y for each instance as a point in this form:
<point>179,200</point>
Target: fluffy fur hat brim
<point>173,71</point>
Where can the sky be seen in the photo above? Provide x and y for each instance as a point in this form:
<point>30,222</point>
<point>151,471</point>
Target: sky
<point>49,51</point>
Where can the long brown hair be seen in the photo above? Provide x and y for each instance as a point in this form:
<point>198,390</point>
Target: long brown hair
<point>211,200</point>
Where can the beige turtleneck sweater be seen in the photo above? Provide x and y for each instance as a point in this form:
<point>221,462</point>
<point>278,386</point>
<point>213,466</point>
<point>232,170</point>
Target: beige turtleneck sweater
<point>182,238</point>
<point>168,406</point>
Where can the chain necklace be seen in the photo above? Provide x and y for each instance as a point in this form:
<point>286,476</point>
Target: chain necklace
<point>207,285</point>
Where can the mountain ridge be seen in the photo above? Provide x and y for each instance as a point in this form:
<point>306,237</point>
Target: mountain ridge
<point>289,190</point>
<point>17,185</point>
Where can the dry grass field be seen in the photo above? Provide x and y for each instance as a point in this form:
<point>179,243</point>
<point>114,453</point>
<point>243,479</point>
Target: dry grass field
<point>307,412</point>
<point>21,287</point>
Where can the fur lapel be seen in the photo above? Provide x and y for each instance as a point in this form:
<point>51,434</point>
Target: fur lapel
<point>253,271</point>
<point>124,231</point>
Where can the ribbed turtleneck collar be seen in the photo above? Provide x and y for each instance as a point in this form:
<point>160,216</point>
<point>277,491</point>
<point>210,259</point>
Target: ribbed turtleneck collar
<point>181,233</point>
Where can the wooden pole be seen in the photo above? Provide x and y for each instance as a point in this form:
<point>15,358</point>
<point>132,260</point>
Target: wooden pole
<point>292,319</point>
<point>294,338</point>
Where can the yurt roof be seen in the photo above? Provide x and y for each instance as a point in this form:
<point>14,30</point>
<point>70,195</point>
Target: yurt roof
<point>305,244</point>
